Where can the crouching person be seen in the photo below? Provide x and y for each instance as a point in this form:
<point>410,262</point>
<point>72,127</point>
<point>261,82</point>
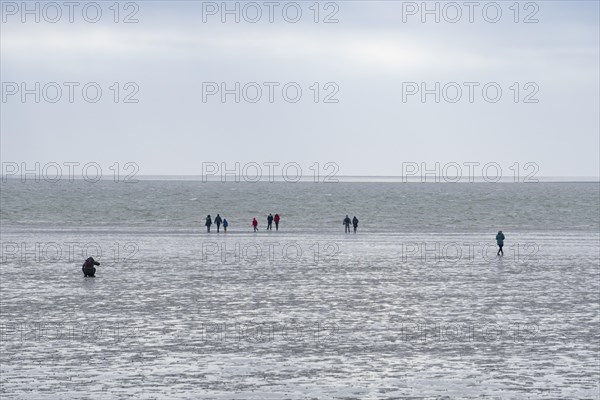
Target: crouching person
<point>88,267</point>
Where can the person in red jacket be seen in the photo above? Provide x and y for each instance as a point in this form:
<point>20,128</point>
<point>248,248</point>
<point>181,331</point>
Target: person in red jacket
<point>255,224</point>
<point>276,219</point>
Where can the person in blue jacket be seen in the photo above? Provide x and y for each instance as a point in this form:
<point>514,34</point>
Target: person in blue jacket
<point>218,221</point>
<point>225,225</point>
<point>500,241</point>
<point>346,224</point>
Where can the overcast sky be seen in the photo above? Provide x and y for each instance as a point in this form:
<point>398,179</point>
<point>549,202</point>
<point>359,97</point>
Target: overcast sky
<point>370,58</point>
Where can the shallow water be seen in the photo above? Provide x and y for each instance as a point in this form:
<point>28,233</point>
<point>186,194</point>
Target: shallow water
<point>177,313</point>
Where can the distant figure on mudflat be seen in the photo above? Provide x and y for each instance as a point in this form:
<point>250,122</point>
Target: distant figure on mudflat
<point>255,224</point>
<point>270,222</point>
<point>225,225</point>
<point>500,241</point>
<point>276,219</point>
<point>346,224</point>
<point>88,267</point>
<point>208,223</point>
<point>218,222</point>
<point>355,223</point>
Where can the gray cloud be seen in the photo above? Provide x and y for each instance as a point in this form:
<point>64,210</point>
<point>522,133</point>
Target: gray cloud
<point>367,55</point>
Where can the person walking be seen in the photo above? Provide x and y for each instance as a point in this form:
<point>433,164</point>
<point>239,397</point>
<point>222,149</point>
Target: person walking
<point>218,222</point>
<point>255,224</point>
<point>500,241</point>
<point>346,224</point>
<point>355,223</point>
<point>276,220</point>
<point>208,223</point>
<point>225,225</point>
<point>270,222</point>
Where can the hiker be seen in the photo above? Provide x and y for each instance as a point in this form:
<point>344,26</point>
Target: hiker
<point>208,223</point>
<point>88,267</point>
<point>270,222</point>
<point>355,223</point>
<point>225,225</point>
<point>500,241</point>
<point>346,224</point>
<point>218,222</point>
<point>255,224</point>
<point>276,219</point>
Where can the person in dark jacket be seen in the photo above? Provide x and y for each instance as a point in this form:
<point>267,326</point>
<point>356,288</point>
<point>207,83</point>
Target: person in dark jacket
<point>218,222</point>
<point>346,224</point>
<point>276,220</point>
<point>88,267</point>
<point>500,241</point>
<point>208,223</point>
<point>355,223</point>
<point>225,225</point>
<point>270,222</point>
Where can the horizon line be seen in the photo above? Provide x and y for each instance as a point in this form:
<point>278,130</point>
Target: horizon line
<point>234,178</point>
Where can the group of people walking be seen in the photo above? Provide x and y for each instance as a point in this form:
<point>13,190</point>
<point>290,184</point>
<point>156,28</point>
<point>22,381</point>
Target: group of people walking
<point>218,222</point>
<point>347,223</point>
<point>270,219</point>
<point>222,221</point>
